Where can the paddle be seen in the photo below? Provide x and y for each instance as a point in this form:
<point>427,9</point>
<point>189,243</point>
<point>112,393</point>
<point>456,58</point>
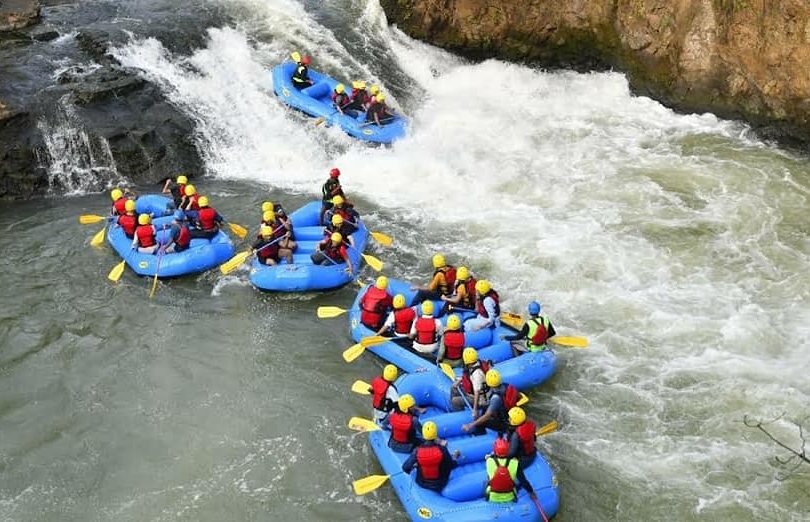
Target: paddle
<point>236,261</point>
<point>356,350</point>
<point>89,219</point>
<point>296,56</point>
<point>448,370</point>
<point>370,483</point>
<point>551,427</point>
<point>572,342</point>
<point>361,424</point>
<point>157,269</point>
<point>98,238</point>
<point>516,321</point>
<point>361,387</point>
<point>238,230</point>
<point>383,239</point>
<point>118,270</point>
<point>328,312</point>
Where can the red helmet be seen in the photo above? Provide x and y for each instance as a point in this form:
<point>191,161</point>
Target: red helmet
<point>501,447</point>
<point>335,172</point>
<point>305,60</point>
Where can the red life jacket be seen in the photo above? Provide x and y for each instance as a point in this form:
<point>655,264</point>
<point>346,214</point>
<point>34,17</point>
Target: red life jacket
<point>501,481</point>
<point>454,345</point>
<point>483,311</point>
<point>267,251</point>
<point>541,334</point>
<point>129,223</point>
<point>206,216</point>
<point>373,306</point>
<point>526,433</point>
<point>379,387</point>
<point>425,330</point>
<point>194,204</point>
<point>403,320</point>
<point>120,205</point>
<point>340,99</point>
<point>471,296</point>
<point>429,458</point>
<point>449,272</point>
<point>466,383</point>
<point>401,427</point>
<point>335,252</point>
<point>184,238</point>
<point>146,235</point>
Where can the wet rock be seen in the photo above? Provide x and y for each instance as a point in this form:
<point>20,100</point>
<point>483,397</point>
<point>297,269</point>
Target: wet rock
<point>20,175</point>
<point>742,60</point>
<point>45,36</point>
<point>16,14</point>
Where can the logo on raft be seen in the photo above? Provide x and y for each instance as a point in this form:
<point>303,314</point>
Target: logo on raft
<point>143,264</point>
<point>285,91</point>
<point>354,322</point>
<point>368,132</point>
<point>424,512</point>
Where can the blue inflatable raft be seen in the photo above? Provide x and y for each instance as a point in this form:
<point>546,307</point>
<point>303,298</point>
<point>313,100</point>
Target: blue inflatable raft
<point>462,500</point>
<point>316,100</point>
<point>526,371</point>
<point>302,275</point>
<point>202,255</point>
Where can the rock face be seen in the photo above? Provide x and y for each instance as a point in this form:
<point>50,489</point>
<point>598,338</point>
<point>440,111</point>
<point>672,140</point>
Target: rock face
<point>99,123</point>
<point>16,14</point>
<point>739,59</point>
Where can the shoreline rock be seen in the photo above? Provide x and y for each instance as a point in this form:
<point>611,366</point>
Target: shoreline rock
<point>746,61</point>
<point>17,14</point>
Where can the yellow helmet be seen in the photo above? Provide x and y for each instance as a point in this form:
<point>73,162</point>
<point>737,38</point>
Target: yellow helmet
<point>517,416</point>
<point>267,205</point>
<point>406,402</point>
<point>469,355</point>
<point>390,373</point>
<point>182,180</point>
<point>129,205</point>
<point>483,286</point>
<point>381,97</point>
<point>203,201</point>
<point>399,301</point>
<point>340,88</point>
<point>144,219</point>
<point>463,273</point>
<point>374,90</point>
<point>438,261</point>
<point>427,308</point>
<point>337,201</point>
<point>430,431</point>
<point>382,282</point>
<point>337,220</point>
<point>454,322</point>
<point>116,194</point>
<point>268,216</point>
<point>336,238</point>
<point>190,190</point>
<point>493,378</point>
<point>359,84</point>
<point>266,231</point>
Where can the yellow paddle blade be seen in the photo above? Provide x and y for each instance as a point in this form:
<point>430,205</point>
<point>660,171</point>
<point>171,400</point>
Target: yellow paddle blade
<point>296,56</point>
<point>548,428</point>
<point>235,262</point>
<point>373,262</point>
<point>382,239</point>
<point>239,230</point>
<point>327,312</point>
<point>361,387</point>
<point>522,400</point>
<point>373,340</point>
<point>320,120</point>
<point>368,484</point>
<point>361,424</point>
<point>512,319</point>
<point>117,271</point>
<point>360,282</point>
<point>448,370</point>
<point>89,219</point>
<point>353,352</point>
<point>98,238</point>
<point>574,342</point>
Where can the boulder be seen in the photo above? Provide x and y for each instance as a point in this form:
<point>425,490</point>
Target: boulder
<point>16,14</point>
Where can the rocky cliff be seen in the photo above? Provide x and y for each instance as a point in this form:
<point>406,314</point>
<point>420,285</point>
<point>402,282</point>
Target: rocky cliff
<point>739,59</point>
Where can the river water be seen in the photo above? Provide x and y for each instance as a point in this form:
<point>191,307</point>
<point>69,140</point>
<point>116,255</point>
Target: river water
<point>677,244</point>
